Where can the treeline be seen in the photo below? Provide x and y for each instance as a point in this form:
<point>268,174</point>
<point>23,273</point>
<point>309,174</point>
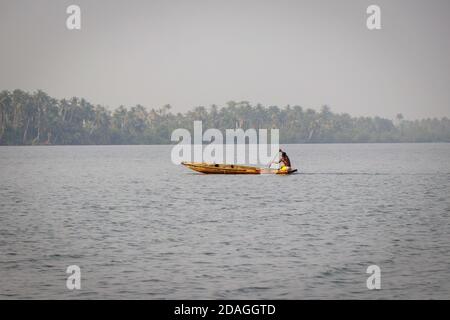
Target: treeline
<point>37,118</point>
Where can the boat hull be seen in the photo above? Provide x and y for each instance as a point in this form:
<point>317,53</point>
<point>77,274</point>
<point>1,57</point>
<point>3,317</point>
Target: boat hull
<point>209,168</point>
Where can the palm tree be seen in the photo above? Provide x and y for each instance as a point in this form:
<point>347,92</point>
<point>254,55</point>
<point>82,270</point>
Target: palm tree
<point>5,111</point>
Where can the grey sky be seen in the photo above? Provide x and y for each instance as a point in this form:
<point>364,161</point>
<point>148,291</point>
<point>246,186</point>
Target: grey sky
<point>199,52</point>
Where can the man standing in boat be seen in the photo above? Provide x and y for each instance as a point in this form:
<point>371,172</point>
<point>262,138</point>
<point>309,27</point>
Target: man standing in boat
<point>285,162</point>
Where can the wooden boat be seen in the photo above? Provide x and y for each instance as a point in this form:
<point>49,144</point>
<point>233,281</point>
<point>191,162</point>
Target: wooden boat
<point>212,168</point>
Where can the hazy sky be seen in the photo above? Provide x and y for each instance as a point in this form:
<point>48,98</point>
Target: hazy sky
<point>199,52</point>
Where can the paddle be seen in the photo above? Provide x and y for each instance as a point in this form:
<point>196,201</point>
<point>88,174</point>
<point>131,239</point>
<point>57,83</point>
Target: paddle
<point>276,155</point>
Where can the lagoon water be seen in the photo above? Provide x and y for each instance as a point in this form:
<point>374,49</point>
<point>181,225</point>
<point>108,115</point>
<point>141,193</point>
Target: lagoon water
<point>140,227</point>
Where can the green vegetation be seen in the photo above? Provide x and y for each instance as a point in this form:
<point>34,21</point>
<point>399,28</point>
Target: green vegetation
<point>33,119</point>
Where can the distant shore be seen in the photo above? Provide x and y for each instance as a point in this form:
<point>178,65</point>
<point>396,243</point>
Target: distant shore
<point>38,119</point>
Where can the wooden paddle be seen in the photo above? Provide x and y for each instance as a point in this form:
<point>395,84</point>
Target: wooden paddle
<point>276,155</point>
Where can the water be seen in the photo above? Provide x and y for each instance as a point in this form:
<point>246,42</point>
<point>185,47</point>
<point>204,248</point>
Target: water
<point>140,227</point>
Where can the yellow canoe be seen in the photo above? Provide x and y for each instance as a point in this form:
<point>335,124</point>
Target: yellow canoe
<point>212,168</point>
